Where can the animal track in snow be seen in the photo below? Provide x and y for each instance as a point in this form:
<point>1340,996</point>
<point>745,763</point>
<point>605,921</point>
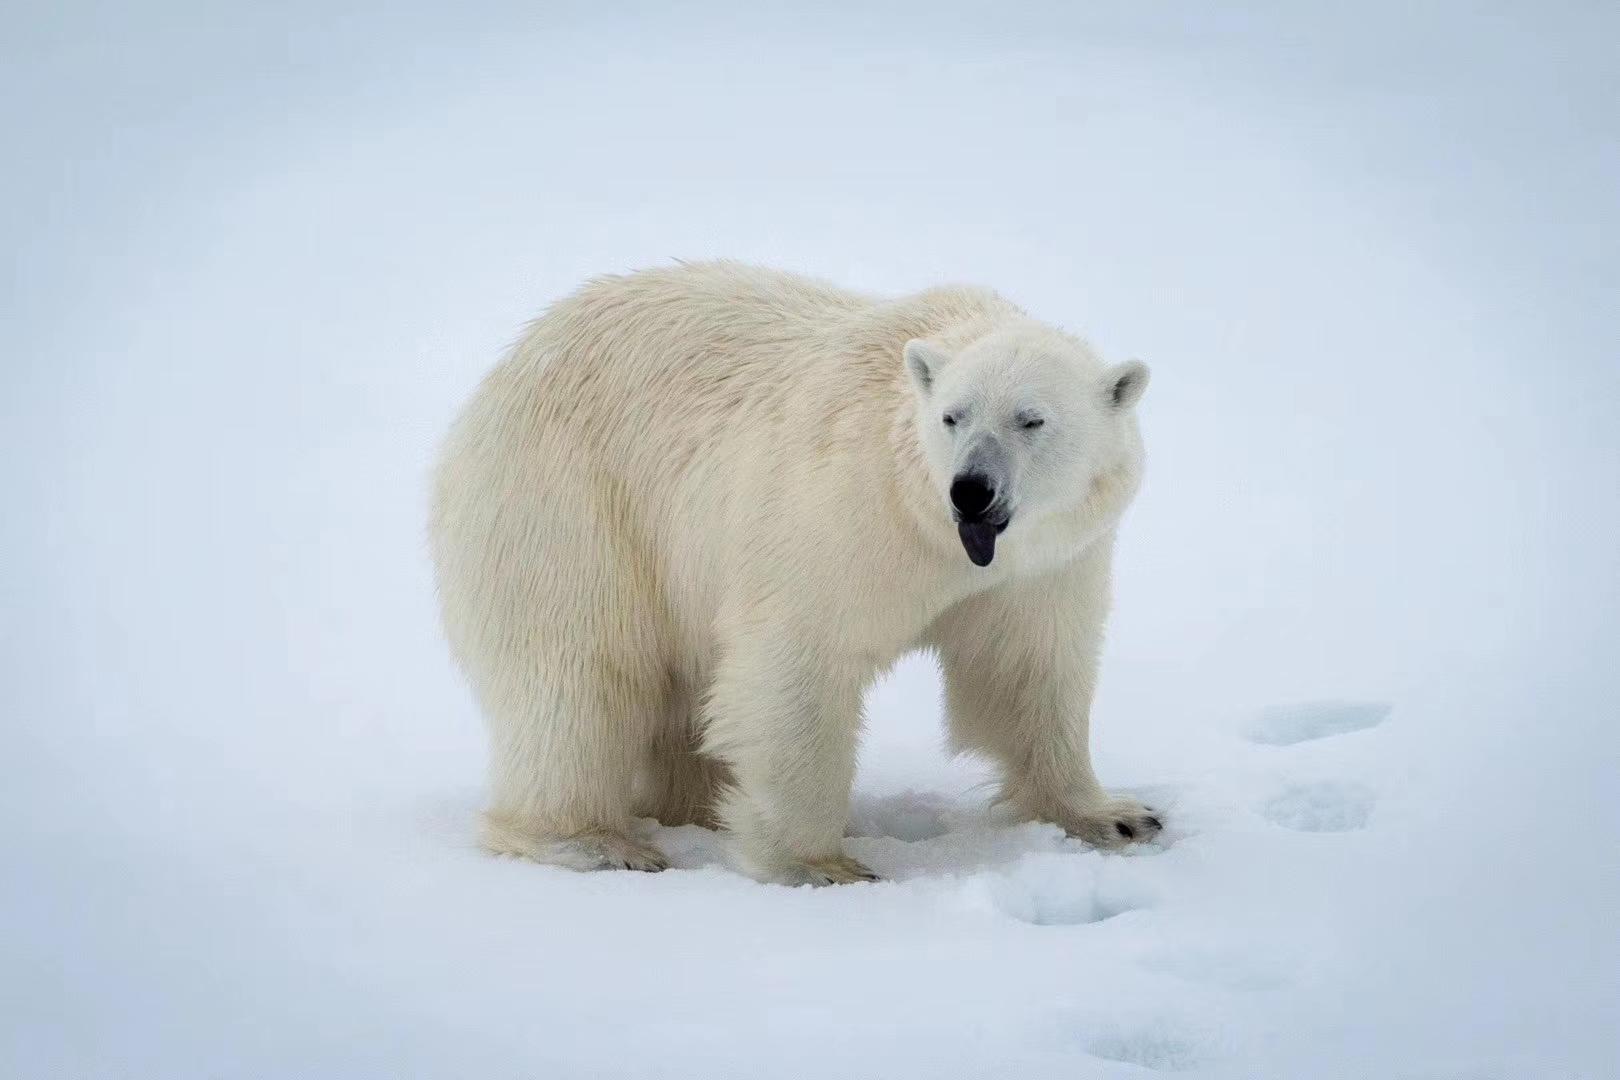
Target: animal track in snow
<point>1052,908</point>
<point>1154,1048</point>
<point>1285,725</point>
<point>1324,806</point>
<point>1057,891</point>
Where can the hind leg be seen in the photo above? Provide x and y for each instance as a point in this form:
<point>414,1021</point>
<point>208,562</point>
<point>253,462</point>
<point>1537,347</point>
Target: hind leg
<point>551,617</point>
<point>561,788</point>
<point>561,775</point>
<point>683,784</point>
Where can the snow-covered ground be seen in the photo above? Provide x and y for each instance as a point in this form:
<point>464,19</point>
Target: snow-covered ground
<point>1364,648</point>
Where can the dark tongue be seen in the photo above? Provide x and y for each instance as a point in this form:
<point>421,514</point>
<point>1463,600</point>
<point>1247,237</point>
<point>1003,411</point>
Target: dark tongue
<point>979,538</point>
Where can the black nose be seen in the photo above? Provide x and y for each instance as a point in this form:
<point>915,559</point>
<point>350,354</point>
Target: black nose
<point>972,495</point>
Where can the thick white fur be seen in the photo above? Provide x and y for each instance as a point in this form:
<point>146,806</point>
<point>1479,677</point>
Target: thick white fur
<point>696,510</point>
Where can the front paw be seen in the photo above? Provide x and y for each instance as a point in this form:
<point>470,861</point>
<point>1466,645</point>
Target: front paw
<point>1113,823</point>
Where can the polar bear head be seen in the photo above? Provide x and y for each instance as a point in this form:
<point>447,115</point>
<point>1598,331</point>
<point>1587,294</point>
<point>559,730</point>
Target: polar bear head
<point>1019,424</point>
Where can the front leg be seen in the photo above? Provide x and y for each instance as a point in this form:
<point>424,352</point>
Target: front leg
<point>1020,667</point>
<point>784,713</point>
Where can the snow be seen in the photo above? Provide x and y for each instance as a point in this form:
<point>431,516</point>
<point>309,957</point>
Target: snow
<point>1362,652</point>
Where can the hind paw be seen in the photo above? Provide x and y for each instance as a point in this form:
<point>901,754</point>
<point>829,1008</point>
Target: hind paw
<point>598,849</point>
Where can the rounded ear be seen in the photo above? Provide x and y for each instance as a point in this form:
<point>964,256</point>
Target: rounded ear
<point>1127,383</point>
<point>923,361</point>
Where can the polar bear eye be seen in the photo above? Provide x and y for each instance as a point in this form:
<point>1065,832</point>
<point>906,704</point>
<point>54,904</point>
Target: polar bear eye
<point>950,420</point>
<point>1033,422</point>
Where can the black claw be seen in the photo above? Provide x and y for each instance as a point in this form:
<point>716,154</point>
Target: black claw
<point>1125,830</point>
<point>1155,822</point>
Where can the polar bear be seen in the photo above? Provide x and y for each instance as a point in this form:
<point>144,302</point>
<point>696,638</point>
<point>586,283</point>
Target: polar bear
<point>695,512</point>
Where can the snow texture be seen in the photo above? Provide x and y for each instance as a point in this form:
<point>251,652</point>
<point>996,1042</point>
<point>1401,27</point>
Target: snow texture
<point>1362,654</point>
